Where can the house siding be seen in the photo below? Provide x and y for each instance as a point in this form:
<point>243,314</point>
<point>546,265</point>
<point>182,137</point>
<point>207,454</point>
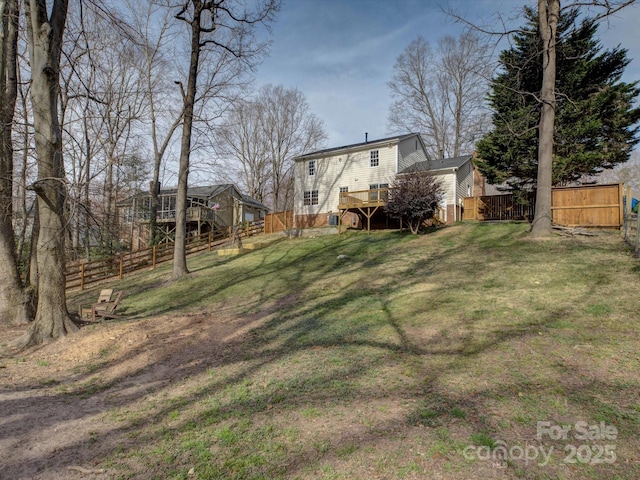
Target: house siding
<point>464,177</point>
<point>447,181</point>
<point>410,152</point>
<point>349,167</point>
<point>344,169</point>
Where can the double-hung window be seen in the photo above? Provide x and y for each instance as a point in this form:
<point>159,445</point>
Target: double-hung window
<point>310,197</point>
<point>312,168</point>
<point>376,194</point>
<point>374,158</point>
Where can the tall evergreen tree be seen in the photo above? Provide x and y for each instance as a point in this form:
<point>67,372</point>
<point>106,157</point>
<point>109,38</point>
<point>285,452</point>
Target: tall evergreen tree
<point>596,123</point>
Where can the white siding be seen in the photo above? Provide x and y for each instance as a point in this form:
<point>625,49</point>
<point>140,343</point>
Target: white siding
<point>343,169</point>
<point>447,180</point>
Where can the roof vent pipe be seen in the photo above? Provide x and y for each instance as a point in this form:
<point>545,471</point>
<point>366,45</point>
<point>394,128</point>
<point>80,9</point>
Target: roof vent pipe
<point>366,137</point>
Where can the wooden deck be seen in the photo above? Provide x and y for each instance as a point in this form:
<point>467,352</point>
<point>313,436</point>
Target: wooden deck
<point>364,202</point>
<point>363,199</point>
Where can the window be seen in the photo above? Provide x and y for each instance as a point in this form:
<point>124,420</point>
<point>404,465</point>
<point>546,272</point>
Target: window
<point>373,196</point>
<point>374,158</point>
<point>344,189</point>
<point>310,197</point>
<point>312,168</point>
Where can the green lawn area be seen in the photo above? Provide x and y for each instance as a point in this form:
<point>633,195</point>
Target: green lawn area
<point>413,357</point>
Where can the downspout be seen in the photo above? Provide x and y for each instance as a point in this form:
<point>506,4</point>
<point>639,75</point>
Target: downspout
<point>455,195</point>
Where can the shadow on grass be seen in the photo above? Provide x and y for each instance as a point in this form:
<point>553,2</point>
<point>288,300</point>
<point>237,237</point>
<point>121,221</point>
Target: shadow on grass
<point>319,336</point>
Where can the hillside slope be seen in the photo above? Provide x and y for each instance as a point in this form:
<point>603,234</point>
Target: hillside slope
<point>341,357</point>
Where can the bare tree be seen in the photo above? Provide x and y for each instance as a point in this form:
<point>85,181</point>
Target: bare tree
<point>262,136</point>
<point>242,140</point>
<point>627,173</point>
<point>13,301</point>
<point>45,32</point>
<point>440,93</point>
<point>153,28</point>
<point>120,107</point>
<point>224,26</point>
<point>290,130</point>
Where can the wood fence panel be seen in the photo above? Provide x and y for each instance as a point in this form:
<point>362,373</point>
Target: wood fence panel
<point>470,208</point>
<point>588,206</point>
<point>278,221</point>
<point>584,206</point>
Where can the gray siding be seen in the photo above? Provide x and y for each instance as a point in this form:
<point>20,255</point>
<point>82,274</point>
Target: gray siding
<point>410,152</point>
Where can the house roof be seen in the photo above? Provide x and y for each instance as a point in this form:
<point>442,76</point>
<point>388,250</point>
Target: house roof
<point>253,202</point>
<point>438,164</point>
<point>356,146</point>
<point>208,191</point>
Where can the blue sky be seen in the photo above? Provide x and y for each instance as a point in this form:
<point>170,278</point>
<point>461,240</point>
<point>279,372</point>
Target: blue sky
<point>340,53</point>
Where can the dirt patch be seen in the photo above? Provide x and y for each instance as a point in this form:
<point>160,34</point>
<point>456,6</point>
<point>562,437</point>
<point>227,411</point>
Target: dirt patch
<point>58,399</point>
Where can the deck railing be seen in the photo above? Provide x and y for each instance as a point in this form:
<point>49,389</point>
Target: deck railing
<point>363,198</point>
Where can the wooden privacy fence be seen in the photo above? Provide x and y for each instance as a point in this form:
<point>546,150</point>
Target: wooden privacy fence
<point>278,221</point>
<point>497,207</point>
<point>584,206</point>
<point>79,275</point>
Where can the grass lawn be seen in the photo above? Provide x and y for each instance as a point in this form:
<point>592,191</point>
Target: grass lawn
<point>414,357</point>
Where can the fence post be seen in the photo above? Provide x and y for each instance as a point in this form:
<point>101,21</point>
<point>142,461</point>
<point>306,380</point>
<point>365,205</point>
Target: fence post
<point>635,244</point>
<point>210,240</point>
<point>627,213</point>
<point>153,257</point>
<point>82,276</point>
<point>121,267</point>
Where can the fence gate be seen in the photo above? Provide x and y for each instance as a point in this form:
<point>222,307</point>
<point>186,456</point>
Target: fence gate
<point>278,221</point>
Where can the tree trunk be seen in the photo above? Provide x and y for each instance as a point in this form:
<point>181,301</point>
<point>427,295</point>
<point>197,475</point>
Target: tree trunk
<point>179,255</point>
<point>548,14</point>
<point>13,300</point>
<point>45,37</point>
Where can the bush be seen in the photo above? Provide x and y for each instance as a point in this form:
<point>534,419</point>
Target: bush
<point>414,198</point>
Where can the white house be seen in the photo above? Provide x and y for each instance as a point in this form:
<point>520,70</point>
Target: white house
<point>350,182</point>
<point>459,178</point>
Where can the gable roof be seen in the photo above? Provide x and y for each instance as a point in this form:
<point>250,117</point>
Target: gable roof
<point>438,164</point>
<point>358,146</point>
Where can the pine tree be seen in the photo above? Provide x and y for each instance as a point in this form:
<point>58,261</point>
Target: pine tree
<point>595,123</point>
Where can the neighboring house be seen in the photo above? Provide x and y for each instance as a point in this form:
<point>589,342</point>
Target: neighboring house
<point>349,184</point>
<point>212,208</point>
